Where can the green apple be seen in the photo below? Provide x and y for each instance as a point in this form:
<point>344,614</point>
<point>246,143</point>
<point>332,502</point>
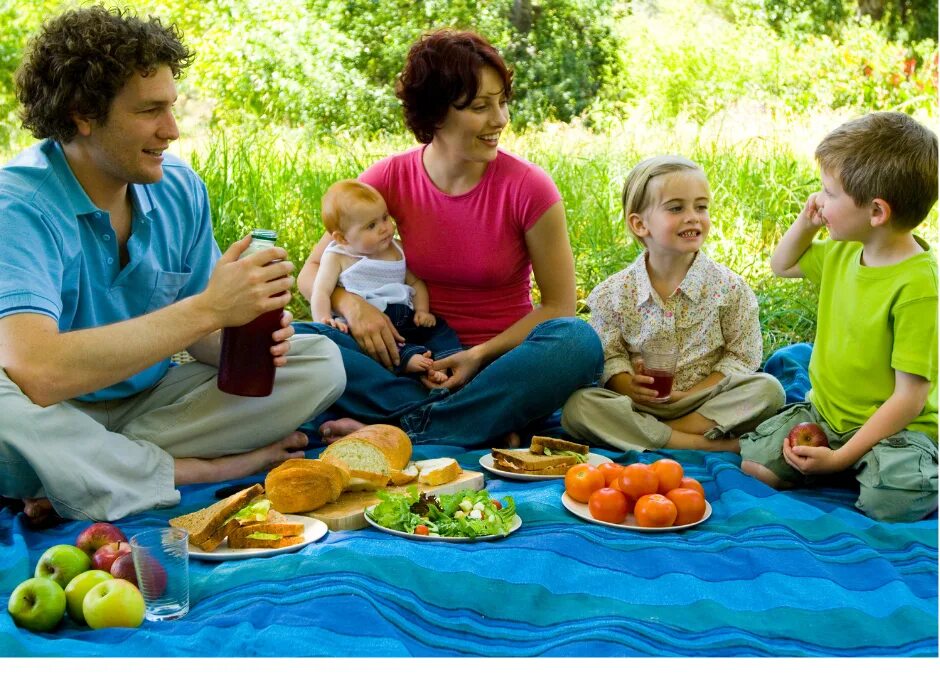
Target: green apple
<point>77,589</point>
<point>37,604</point>
<point>113,603</point>
<point>62,563</point>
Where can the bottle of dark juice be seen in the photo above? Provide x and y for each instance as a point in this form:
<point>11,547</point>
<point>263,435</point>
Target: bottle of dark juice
<point>246,367</point>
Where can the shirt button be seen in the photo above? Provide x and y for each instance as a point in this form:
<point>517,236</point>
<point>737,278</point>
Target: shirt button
<point>107,237</point>
<point>668,313</point>
<point>110,260</point>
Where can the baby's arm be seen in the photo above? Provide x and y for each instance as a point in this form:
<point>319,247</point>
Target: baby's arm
<point>785,259</point>
<point>323,285</point>
<point>901,408</point>
<point>422,301</point>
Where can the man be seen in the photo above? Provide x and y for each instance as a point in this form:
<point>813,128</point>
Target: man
<point>108,267</point>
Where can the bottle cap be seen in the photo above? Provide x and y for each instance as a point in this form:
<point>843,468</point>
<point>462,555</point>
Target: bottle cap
<point>266,235</point>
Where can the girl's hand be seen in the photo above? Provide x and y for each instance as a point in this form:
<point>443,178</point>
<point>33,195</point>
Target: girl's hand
<point>374,333</point>
<point>425,319</point>
<point>635,387</point>
<point>461,366</point>
<point>282,339</point>
<point>811,215</point>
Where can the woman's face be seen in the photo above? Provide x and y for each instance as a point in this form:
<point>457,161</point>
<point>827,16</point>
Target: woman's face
<point>472,134</point>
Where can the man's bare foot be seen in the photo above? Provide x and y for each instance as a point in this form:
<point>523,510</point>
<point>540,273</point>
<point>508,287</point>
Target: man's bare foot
<point>189,470</point>
<point>40,514</point>
<point>336,429</point>
<point>419,363</point>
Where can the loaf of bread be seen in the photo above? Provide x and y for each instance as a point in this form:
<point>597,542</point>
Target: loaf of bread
<point>437,471</point>
<point>372,453</point>
<point>301,485</point>
<point>406,475</point>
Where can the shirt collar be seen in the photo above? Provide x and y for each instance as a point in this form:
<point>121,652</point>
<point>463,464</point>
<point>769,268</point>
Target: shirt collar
<point>692,286</point>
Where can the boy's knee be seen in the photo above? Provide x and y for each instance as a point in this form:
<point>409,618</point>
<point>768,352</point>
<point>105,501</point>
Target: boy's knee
<point>895,506</point>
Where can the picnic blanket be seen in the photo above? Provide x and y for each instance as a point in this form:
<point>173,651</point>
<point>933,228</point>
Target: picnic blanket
<point>771,573</point>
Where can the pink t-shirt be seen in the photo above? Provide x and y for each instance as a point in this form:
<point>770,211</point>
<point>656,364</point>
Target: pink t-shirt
<point>469,249</point>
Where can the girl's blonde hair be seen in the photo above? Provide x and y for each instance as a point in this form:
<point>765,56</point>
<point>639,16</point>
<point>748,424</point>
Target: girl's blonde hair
<point>636,195</point>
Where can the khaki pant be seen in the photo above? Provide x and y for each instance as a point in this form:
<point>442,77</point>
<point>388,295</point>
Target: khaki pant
<point>897,478</point>
<point>105,460</point>
<point>737,404</point>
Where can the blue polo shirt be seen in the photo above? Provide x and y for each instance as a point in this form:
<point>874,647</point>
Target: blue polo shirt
<point>59,255</point>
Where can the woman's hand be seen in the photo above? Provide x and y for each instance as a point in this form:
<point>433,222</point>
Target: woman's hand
<point>461,368</point>
<point>282,339</point>
<point>374,332</point>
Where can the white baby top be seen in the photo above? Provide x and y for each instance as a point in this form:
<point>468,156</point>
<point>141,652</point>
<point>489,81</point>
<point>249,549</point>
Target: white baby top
<point>380,282</point>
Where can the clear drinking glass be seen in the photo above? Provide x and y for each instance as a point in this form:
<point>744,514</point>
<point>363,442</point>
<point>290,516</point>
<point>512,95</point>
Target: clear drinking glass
<point>658,360</point>
<point>161,558</point>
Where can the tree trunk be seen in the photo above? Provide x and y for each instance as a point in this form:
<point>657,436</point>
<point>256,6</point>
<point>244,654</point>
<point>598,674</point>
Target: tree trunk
<point>520,16</point>
<point>873,8</point>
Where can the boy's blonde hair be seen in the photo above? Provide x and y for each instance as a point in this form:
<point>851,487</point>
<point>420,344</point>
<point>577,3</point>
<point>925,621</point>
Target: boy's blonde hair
<point>337,198</point>
<point>885,155</point>
<point>636,196</point>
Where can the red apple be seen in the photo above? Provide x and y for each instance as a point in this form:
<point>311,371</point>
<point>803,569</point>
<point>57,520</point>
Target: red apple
<point>105,556</point>
<point>97,535</point>
<point>123,568</point>
<point>807,433</point>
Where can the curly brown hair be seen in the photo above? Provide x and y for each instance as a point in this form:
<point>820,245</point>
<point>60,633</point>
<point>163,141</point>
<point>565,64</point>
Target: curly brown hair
<point>441,70</point>
<point>82,58</point>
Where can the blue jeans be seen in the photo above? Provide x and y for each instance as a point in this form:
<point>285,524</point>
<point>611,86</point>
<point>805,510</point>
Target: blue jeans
<point>440,339</point>
<point>524,385</point>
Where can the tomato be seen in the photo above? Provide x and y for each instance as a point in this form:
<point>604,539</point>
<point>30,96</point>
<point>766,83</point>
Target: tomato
<point>690,505</point>
<point>611,472</point>
<point>608,505</point>
<point>497,504</point>
<point>421,529</point>
<point>669,472</point>
<point>581,480</point>
<point>692,484</point>
<point>654,511</point>
<point>637,480</point>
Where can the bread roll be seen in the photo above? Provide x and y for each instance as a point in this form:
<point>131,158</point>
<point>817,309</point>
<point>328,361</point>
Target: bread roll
<point>301,485</point>
<point>373,450</point>
<point>437,471</point>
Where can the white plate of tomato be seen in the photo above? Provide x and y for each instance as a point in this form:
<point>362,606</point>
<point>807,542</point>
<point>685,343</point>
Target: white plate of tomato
<point>655,497</point>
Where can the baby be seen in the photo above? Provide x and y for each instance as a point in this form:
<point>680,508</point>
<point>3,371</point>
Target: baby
<point>365,258</point>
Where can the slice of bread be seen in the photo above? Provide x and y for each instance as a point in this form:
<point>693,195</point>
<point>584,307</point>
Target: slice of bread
<point>406,475</point>
<point>541,443</point>
<point>202,524</point>
<point>287,533</point>
<point>437,471</point>
<point>376,449</point>
<point>301,485</point>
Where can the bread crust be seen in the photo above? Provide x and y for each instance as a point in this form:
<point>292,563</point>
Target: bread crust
<point>301,485</point>
<point>539,443</point>
<point>203,524</point>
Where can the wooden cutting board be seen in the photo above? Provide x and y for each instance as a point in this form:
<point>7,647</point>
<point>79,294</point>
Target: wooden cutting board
<point>348,512</point>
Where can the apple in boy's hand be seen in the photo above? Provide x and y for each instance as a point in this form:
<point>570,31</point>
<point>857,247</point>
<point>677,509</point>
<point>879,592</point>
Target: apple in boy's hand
<point>807,433</point>
<point>97,535</point>
<point>78,588</point>
<point>37,604</point>
<point>113,603</point>
<point>62,563</point>
<point>104,557</point>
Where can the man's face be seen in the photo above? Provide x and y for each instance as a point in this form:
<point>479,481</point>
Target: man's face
<point>128,146</point>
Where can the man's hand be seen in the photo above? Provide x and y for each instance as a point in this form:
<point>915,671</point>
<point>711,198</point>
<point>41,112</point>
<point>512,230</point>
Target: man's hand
<point>282,339</point>
<point>425,319</point>
<point>374,333</point>
<point>813,460</point>
<point>240,290</point>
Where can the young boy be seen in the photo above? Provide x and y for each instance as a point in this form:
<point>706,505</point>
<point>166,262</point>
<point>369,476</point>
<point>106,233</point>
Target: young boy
<point>873,369</point>
<point>365,258</point>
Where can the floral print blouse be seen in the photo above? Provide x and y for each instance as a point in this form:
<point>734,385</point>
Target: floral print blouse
<point>712,317</point>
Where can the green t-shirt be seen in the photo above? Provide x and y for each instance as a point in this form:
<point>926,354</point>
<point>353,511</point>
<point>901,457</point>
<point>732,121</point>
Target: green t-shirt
<point>871,322</point>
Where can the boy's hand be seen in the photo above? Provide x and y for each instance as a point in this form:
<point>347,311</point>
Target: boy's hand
<point>425,319</point>
<point>813,460</point>
<point>810,217</point>
<point>333,323</point>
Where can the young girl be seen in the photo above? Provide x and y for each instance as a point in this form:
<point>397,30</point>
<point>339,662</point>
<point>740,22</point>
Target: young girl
<point>674,296</point>
<point>365,258</point>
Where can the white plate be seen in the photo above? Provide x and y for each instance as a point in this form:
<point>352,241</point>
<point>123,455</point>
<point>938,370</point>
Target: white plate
<point>486,461</point>
<point>582,511</point>
<point>313,530</point>
<point>514,525</point>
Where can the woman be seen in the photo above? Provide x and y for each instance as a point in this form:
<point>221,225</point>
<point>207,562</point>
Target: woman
<point>474,221</point>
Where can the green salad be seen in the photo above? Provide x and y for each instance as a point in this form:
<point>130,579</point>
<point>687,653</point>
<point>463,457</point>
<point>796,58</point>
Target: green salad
<point>468,513</point>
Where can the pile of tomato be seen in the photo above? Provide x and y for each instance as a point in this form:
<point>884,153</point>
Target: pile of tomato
<point>657,494</point>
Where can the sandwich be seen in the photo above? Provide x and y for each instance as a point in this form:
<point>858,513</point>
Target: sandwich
<point>226,518</point>
<point>545,457</point>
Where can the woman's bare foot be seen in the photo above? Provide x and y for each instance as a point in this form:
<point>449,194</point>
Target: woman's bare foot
<point>336,429</point>
<point>40,514</point>
<point>189,470</point>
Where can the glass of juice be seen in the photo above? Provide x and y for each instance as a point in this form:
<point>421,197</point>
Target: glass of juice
<point>659,362</point>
